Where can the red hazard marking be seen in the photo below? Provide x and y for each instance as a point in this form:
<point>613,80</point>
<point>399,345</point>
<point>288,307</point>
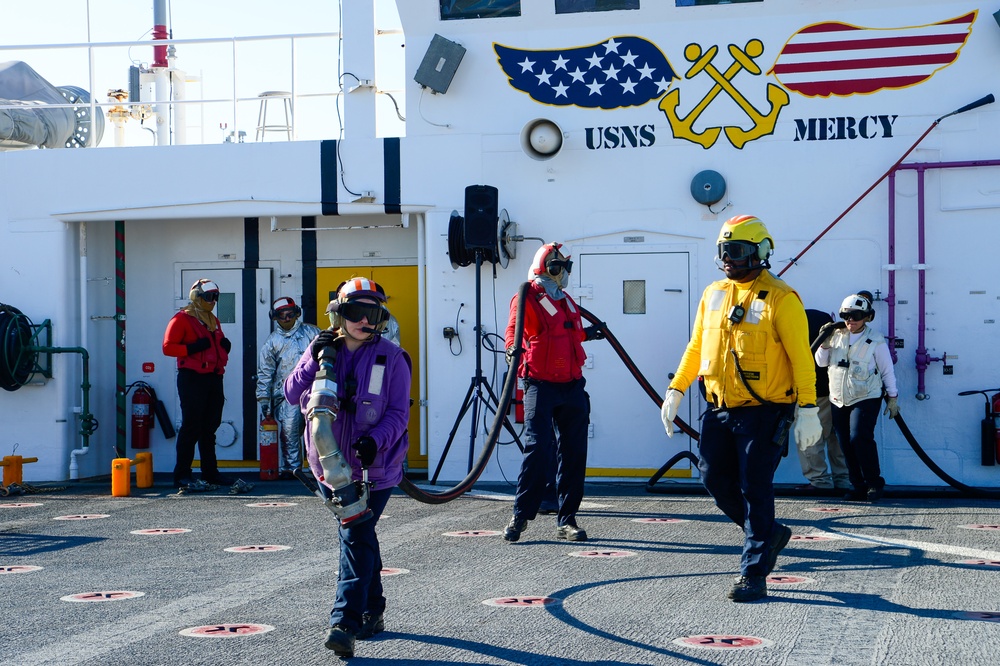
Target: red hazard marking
<point>831,509</point>
<point>16,569</point>
<point>117,595</point>
<point>981,527</point>
<point>660,520</point>
<point>810,537</point>
<point>721,641</point>
<point>788,580</point>
<point>255,549</point>
<point>390,571</point>
<point>226,630</point>
<point>601,553</point>
<point>83,516</point>
<point>163,530</point>
<point>521,602</point>
<point>19,505</point>
<point>472,533</point>
<point>982,563</point>
<point>272,505</point>
<point>977,615</point>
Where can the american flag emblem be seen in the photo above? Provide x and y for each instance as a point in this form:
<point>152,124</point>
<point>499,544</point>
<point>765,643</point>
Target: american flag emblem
<point>841,59</point>
<point>618,72</point>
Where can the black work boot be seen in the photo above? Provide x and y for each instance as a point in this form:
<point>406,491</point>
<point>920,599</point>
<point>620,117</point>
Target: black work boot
<point>371,625</point>
<point>514,528</point>
<point>341,641</point>
<point>856,495</point>
<point>749,588</point>
<point>571,533</point>
<point>779,539</point>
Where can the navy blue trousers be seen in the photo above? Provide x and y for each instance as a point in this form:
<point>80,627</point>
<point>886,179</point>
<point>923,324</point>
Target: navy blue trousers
<point>359,581</point>
<point>548,406</point>
<point>737,463</point>
<point>855,426</point>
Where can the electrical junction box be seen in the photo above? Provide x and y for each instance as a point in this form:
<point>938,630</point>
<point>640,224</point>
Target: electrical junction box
<point>439,65</point>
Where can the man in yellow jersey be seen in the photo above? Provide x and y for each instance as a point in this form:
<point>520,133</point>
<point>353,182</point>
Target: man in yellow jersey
<point>750,344</point>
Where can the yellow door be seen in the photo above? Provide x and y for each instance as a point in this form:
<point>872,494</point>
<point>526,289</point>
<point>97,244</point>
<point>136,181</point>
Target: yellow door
<point>400,284</point>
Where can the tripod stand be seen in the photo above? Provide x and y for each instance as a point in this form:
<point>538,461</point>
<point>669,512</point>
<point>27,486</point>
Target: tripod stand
<point>480,393</point>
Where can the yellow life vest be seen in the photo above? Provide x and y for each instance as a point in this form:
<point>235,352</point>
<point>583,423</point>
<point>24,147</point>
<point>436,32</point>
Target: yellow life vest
<point>765,365</point>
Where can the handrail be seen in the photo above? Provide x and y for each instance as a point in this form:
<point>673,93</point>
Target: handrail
<point>231,62</point>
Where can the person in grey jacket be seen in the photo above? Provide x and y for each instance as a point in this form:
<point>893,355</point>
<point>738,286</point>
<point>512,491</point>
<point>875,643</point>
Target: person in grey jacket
<point>281,351</point>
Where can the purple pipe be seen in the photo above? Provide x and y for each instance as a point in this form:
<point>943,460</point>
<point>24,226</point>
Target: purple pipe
<point>923,359</point>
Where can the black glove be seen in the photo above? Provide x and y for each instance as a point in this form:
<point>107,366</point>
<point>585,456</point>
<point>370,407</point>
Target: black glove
<point>324,339</point>
<point>226,345</point>
<point>594,333</point>
<point>199,345</point>
<point>365,449</point>
<point>265,411</point>
<point>509,355</point>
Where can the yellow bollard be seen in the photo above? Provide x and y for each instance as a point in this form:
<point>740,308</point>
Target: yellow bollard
<point>144,470</point>
<point>13,469</point>
<point>121,477</point>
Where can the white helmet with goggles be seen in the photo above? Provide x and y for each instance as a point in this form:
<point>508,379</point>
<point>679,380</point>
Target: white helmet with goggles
<point>204,289</point>
<point>348,305</point>
<point>857,307</point>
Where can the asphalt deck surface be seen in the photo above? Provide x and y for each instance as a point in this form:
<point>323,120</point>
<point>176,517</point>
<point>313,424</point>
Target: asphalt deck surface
<point>912,580</point>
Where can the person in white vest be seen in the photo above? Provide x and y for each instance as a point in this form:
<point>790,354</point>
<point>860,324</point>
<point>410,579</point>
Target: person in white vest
<point>860,367</point>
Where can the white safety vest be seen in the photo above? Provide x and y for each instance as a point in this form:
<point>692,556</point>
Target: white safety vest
<point>854,375</point>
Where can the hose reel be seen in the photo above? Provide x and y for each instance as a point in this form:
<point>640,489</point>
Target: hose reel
<point>18,357</point>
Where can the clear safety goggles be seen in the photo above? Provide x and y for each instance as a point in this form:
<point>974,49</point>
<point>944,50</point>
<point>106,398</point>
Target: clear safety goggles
<point>355,312</point>
<point>737,250</point>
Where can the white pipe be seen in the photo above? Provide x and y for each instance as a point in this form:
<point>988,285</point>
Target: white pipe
<point>74,467</point>
<point>162,106</point>
<point>177,80</point>
<point>422,328</point>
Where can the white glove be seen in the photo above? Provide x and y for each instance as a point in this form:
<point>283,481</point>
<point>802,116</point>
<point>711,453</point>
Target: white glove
<point>668,412</point>
<point>808,429</point>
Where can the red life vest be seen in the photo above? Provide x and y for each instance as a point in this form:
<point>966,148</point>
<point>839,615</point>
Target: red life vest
<point>553,336</point>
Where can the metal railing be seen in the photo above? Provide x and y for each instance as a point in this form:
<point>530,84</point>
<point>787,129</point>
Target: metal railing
<point>235,76</point>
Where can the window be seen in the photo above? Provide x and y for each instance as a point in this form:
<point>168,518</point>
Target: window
<point>576,6</point>
<point>634,297</point>
<point>226,310</point>
<point>473,9</point>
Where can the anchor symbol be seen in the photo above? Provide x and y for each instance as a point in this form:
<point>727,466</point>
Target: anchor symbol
<point>763,123</point>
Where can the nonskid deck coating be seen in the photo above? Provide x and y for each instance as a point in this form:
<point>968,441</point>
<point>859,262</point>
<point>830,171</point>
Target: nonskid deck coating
<point>904,582</point>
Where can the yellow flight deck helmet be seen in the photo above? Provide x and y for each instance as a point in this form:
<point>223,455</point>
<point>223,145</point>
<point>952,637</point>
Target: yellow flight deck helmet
<point>741,231</point>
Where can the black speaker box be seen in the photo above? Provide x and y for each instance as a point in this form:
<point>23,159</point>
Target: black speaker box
<point>481,213</point>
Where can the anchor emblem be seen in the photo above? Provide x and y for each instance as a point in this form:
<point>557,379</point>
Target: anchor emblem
<point>763,123</point>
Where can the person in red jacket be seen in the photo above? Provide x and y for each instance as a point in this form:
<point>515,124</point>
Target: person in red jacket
<point>194,337</point>
<point>554,395</point>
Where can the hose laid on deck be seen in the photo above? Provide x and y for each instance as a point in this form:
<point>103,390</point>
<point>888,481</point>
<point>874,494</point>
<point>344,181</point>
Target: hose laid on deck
<point>506,395</point>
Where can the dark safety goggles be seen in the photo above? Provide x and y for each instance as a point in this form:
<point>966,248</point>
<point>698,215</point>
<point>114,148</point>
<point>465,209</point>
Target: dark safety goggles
<point>853,315</point>
<point>286,315</point>
<point>210,296</point>
<point>737,250</point>
<point>355,312</point>
<point>560,264</point>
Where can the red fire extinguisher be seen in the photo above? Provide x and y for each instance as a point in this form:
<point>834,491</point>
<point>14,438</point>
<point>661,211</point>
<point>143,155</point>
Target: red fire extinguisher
<point>142,416</point>
<point>995,402</point>
<point>268,448</point>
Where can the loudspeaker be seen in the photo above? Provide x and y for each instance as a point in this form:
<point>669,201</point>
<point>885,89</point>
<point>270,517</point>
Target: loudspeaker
<point>439,65</point>
<point>481,213</point>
